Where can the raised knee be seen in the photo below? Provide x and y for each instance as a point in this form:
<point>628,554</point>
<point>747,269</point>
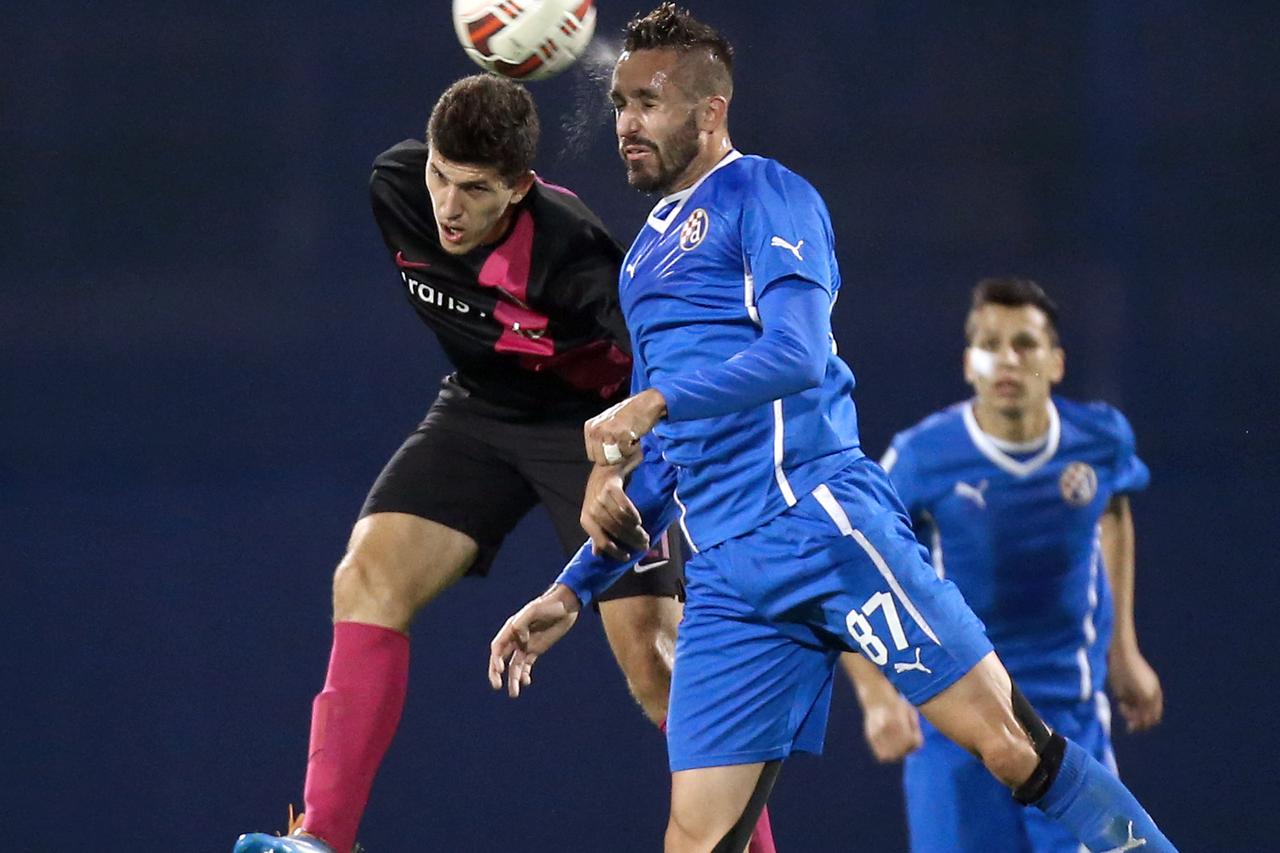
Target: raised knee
<point>364,590</point>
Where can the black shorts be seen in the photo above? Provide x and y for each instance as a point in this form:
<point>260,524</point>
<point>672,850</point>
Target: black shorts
<point>480,475</point>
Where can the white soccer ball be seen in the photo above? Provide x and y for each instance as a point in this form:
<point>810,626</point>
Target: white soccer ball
<point>524,39</point>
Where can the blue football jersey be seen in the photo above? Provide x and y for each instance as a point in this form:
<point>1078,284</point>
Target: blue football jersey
<point>1016,529</point>
<point>689,288</point>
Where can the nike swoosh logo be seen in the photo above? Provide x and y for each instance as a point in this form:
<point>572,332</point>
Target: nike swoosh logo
<point>409,265</point>
<point>641,568</point>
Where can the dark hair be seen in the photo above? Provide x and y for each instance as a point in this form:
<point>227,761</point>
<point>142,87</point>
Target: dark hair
<point>1014,293</point>
<point>672,28</point>
<point>486,120</point>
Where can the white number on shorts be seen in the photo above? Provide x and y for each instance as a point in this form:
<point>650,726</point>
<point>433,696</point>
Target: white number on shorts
<point>860,629</point>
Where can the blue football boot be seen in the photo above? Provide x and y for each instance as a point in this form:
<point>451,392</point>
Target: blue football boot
<point>296,841</point>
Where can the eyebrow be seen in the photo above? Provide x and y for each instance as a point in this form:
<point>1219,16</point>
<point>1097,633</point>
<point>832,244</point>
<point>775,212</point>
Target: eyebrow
<point>466,185</point>
<point>643,92</point>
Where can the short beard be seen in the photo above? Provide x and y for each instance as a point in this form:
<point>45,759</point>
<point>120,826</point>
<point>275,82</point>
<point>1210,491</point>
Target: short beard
<point>675,157</point>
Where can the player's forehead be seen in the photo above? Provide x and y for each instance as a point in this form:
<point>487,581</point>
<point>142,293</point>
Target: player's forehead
<point>646,72</point>
<point>463,173</point>
<point>1007,320</point>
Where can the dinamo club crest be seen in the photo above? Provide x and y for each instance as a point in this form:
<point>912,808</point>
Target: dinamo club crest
<point>694,229</point>
<point>1078,484</point>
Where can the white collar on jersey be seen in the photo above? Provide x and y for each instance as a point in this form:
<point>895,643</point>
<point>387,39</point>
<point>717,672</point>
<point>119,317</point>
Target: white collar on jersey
<point>677,199</point>
<point>998,451</point>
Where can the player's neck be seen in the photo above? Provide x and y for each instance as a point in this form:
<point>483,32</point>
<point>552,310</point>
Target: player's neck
<point>716,150</point>
<point>1016,426</point>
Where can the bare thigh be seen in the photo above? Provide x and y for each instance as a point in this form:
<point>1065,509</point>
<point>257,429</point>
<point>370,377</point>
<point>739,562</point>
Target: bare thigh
<point>706,803</point>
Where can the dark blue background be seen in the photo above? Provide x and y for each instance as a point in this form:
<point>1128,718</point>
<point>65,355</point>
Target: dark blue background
<point>205,358</point>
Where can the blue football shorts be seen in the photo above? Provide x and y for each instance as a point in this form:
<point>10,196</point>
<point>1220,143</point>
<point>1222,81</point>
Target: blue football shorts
<point>769,612</point>
<point>955,806</point>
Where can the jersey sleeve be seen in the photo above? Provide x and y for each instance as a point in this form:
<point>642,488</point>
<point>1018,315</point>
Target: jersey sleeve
<point>652,489</point>
<point>786,231</point>
<point>900,464</point>
<point>790,356</point>
<point>1131,473</point>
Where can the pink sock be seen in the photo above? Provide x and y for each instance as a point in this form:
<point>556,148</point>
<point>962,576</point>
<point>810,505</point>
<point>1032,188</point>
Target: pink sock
<point>762,835</point>
<point>352,723</point>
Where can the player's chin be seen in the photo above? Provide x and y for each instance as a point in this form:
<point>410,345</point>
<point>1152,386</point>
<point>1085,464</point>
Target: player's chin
<point>643,179</point>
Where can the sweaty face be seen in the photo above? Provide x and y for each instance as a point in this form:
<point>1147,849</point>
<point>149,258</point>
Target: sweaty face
<point>656,124</point>
<point>471,203</point>
<point>1012,361</point>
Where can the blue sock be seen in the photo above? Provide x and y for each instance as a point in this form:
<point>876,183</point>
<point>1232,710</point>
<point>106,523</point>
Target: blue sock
<point>1098,809</point>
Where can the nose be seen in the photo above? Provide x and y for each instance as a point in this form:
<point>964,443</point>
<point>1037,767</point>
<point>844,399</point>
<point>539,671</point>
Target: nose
<point>450,205</point>
<point>626,124</point>
<point>1007,355</point>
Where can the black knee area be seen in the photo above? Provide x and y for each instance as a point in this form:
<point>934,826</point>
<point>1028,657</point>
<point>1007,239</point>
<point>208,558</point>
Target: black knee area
<point>1029,720</point>
<point>736,839</point>
<point>1046,771</point>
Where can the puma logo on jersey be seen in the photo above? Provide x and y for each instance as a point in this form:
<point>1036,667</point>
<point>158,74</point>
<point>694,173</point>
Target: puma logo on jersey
<point>973,493</point>
<point>783,244</point>
<point>908,667</point>
<point>1131,844</point>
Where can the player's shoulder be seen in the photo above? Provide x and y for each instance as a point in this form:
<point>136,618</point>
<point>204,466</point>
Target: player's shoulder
<point>402,159</point>
<point>558,206</point>
<point>398,173</point>
<point>941,426</point>
<point>1095,419</point>
<point>752,172</point>
<point>932,436</point>
<point>564,220</point>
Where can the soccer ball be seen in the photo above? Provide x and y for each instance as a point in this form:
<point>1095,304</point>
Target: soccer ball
<point>524,39</point>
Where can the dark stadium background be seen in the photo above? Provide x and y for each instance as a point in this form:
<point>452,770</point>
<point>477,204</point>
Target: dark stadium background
<point>205,357</point>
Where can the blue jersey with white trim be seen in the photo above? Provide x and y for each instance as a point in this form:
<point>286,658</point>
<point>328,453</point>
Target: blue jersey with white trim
<point>689,287</point>
<point>1016,529</point>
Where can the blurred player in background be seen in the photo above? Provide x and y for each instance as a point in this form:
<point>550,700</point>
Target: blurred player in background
<point>742,424</point>
<point>1022,500</point>
<point>518,279</point>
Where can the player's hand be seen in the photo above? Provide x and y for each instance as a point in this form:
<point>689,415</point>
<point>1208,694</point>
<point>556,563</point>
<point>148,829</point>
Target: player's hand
<point>613,436</point>
<point>891,725</point>
<point>1136,689</point>
<point>609,517</point>
<point>528,634</point>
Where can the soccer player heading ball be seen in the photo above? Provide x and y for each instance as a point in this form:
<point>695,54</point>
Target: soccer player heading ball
<point>741,422</point>
<point>518,279</point>
<point>1022,498</point>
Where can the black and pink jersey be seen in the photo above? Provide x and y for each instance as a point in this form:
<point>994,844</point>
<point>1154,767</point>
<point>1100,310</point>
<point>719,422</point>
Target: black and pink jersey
<point>531,323</point>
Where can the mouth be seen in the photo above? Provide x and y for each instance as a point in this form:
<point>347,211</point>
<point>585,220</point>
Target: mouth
<point>451,235</point>
<point>634,153</point>
<point>1007,387</point>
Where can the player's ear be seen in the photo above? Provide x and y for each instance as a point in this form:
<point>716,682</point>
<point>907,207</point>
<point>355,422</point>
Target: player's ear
<point>521,187</point>
<point>714,113</point>
<point>1057,366</point>
<point>968,368</point>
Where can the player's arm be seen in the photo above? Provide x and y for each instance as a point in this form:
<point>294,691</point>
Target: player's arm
<point>1134,684</point>
<point>542,622</point>
<point>890,723</point>
<point>790,356</point>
